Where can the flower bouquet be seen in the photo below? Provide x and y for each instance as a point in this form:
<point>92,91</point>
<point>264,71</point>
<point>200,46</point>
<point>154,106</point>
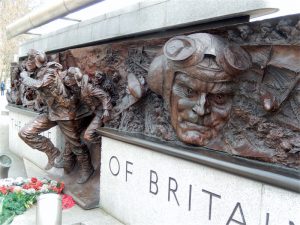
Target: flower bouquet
<point>17,195</point>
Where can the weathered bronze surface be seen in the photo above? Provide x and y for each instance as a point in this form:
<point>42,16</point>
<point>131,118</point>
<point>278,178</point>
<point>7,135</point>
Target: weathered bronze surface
<point>63,109</point>
<point>91,94</point>
<point>233,89</point>
<point>194,75</point>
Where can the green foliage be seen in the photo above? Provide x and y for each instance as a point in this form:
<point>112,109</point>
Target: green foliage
<point>17,195</point>
<point>14,204</point>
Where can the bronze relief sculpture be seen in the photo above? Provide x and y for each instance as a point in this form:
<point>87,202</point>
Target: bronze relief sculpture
<point>195,77</point>
<point>253,111</point>
<point>233,89</point>
<point>64,110</point>
<point>95,97</point>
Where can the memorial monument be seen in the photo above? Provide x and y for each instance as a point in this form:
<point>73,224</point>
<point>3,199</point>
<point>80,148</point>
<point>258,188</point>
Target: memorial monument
<point>232,92</point>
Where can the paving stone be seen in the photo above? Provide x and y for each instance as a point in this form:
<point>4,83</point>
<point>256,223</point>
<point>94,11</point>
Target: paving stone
<point>72,216</point>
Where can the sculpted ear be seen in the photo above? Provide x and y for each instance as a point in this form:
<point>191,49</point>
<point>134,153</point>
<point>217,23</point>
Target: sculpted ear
<point>156,73</point>
<point>134,86</point>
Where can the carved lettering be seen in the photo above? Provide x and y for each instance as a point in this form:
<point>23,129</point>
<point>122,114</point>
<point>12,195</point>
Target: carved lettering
<point>49,134</point>
<point>267,218</point>
<point>172,189</point>
<point>127,171</point>
<point>211,195</point>
<point>153,182</point>
<point>115,173</point>
<point>231,219</point>
<point>190,197</point>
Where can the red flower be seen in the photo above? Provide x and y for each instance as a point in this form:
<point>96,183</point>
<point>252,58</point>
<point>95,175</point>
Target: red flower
<point>61,185</point>
<point>67,201</point>
<point>54,189</point>
<point>37,185</point>
<point>27,186</point>
<point>59,190</point>
<point>11,189</point>
<point>34,180</point>
<point>3,190</point>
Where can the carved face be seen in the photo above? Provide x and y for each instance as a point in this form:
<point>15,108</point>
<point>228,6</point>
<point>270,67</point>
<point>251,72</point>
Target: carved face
<point>99,77</point>
<point>245,31</point>
<point>69,80</point>
<point>284,25</point>
<point>266,28</point>
<point>30,63</point>
<point>199,109</point>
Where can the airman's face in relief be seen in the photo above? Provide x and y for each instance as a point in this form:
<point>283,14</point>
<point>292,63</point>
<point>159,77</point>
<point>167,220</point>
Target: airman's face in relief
<point>30,63</point>
<point>199,109</point>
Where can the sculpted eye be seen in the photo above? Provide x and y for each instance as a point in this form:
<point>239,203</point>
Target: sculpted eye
<point>219,98</point>
<point>189,91</point>
<point>183,91</point>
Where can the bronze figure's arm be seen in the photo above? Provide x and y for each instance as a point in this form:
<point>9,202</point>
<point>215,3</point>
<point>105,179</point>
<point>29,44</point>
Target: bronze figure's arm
<point>104,98</point>
<point>30,82</point>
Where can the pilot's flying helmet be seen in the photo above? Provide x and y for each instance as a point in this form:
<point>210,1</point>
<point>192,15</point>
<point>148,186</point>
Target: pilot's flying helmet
<point>194,54</point>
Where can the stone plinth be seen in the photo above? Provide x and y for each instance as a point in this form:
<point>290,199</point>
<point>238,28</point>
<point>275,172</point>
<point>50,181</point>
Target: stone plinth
<point>86,195</point>
<point>141,186</point>
<point>17,119</point>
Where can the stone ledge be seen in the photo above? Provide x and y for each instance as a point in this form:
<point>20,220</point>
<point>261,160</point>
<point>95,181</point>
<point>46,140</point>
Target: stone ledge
<point>4,113</point>
<point>285,178</point>
<point>144,18</point>
<point>20,109</point>
<point>19,117</point>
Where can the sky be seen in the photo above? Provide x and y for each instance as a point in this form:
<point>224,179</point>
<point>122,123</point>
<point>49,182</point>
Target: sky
<point>286,7</point>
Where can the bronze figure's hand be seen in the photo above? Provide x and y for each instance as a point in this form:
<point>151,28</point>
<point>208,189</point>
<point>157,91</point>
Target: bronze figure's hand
<point>23,74</point>
<point>105,117</point>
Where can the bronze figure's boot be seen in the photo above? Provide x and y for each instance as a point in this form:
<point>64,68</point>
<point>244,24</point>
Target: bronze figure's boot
<point>51,154</point>
<point>85,168</point>
<point>69,164</point>
<point>67,160</point>
<point>59,161</point>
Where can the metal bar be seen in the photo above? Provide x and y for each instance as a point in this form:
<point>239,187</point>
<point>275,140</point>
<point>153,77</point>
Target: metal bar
<point>263,172</point>
<point>46,14</point>
<point>70,19</point>
<point>33,33</point>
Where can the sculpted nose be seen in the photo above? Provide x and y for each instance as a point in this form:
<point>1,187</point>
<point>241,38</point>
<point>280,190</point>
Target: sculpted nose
<point>199,107</point>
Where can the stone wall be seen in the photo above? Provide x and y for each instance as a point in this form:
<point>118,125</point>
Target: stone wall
<point>17,119</point>
<point>140,186</point>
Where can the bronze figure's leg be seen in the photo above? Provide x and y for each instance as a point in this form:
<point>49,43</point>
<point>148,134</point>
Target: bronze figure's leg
<point>68,159</point>
<point>72,130</point>
<point>30,134</point>
<point>86,168</point>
